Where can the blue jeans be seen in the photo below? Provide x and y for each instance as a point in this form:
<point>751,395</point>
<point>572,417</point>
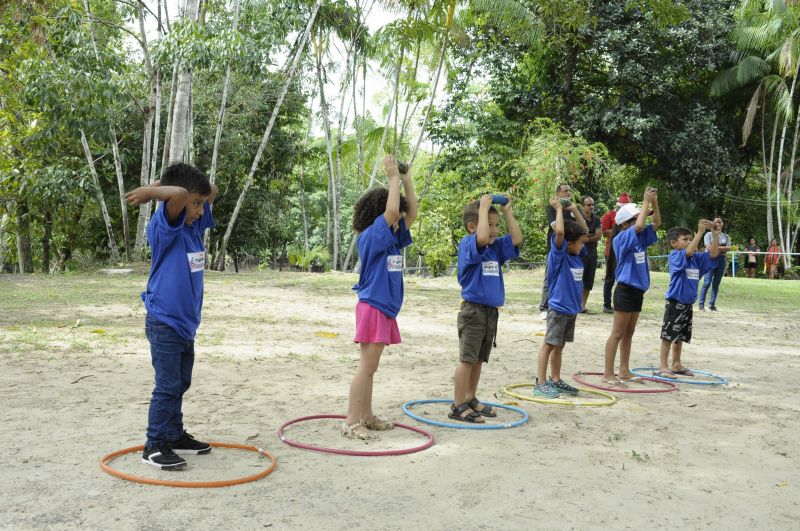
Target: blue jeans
<point>713,278</point>
<point>173,359</point>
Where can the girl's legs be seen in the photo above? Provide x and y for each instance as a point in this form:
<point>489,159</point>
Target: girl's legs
<point>360,406</point>
<point>625,348</point>
<point>618,329</point>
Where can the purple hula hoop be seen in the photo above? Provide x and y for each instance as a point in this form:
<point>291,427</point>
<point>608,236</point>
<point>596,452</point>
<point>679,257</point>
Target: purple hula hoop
<point>671,386</point>
<point>403,451</point>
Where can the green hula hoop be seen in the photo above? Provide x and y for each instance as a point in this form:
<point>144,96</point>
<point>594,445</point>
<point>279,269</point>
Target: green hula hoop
<point>610,399</point>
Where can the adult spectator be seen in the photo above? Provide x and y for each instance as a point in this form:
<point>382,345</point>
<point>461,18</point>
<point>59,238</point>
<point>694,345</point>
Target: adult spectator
<point>751,258</point>
<point>607,226</point>
<point>563,192</point>
<point>772,258</point>
<point>714,277</point>
<point>590,258</point>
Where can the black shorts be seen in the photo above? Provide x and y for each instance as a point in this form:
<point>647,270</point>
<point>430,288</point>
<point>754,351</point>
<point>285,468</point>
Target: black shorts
<point>627,298</point>
<point>677,324</point>
<point>589,269</point>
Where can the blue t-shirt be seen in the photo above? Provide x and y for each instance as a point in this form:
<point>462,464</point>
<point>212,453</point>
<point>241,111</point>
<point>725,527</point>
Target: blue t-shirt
<point>630,248</point>
<point>480,271</point>
<point>685,274</point>
<point>380,283</point>
<point>174,293</point>
<point>565,278</point>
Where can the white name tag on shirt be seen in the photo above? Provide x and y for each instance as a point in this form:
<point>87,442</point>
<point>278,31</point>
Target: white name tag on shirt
<point>197,261</point>
<point>491,268</point>
<point>639,257</point>
<point>394,262</point>
<point>693,274</point>
<point>577,274</point>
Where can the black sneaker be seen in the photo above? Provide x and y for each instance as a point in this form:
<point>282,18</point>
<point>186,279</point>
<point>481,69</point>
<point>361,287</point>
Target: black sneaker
<point>608,309</point>
<point>188,445</point>
<point>163,457</point>
<point>712,308</point>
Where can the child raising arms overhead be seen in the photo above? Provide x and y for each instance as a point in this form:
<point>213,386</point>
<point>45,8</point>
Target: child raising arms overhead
<point>382,217</point>
<point>629,249</point>
<point>565,298</point>
<point>481,255</point>
<point>686,268</point>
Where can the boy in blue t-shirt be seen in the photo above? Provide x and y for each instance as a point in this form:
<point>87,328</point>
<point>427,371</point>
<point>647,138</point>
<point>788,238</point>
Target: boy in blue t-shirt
<point>686,268</point>
<point>173,300</point>
<point>481,255</point>
<point>565,298</point>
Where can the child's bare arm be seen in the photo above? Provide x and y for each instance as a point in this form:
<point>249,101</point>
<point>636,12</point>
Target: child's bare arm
<point>482,232</point>
<point>642,217</point>
<point>411,198</point>
<point>392,213</point>
<point>175,198</point>
<point>656,210</point>
<point>702,227</point>
<point>513,225</point>
<point>214,195</point>
<point>558,227</point>
<point>714,251</point>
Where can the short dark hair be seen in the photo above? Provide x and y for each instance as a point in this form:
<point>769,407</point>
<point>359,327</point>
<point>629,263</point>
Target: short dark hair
<point>470,214</point>
<point>186,176</point>
<point>573,231</point>
<point>676,232</point>
<point>560,186</point>
<point>584,198</point>
<point>371,205</point>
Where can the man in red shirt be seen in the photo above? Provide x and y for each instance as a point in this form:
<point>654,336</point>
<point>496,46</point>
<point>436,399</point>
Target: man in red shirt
<point>607,225</point>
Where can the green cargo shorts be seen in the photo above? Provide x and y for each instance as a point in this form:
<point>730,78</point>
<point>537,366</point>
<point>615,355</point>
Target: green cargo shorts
<point>477,329</point>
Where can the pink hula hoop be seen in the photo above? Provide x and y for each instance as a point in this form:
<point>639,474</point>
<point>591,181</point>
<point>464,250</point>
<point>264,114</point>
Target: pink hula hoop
<point>670,386</point>
<point>362,453</point>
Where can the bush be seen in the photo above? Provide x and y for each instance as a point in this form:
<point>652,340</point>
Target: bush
<point>317,258</point>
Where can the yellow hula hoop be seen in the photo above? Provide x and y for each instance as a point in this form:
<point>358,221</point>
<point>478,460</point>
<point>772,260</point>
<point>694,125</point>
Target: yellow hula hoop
<point>611,399</point>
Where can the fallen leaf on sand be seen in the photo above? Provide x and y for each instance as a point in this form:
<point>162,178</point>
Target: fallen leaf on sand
<point>326,334</point>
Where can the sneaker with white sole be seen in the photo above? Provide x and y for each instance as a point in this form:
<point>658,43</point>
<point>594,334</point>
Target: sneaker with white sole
<point>163,457</point>
<point>564,387</point>
<point>545,390</point>
<point>188,445</point>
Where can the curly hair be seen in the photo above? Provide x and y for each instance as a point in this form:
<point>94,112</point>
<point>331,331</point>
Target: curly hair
<point>470,213</point>
<point>371,205</point>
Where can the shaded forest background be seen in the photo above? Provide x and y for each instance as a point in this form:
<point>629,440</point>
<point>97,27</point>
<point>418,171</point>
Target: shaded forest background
<point>695,97</point>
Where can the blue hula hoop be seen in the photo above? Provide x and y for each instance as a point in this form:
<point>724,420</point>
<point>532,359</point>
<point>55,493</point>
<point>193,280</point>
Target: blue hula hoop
<point>719,379</point>
<point>466,425</point>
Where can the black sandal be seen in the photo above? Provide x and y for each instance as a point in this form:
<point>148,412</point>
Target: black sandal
<point>485,411</point>
<point>473,417</point>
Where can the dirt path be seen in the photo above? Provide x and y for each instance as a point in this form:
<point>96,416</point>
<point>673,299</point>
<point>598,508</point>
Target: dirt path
<point>273,347</point>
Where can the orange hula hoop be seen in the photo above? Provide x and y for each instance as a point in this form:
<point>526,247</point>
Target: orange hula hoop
<point>190,484</point>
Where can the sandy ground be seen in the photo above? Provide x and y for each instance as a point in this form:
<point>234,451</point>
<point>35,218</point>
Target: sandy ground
<point>273,347</point>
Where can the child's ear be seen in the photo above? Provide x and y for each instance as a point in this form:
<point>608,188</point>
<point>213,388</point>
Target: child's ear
<point>471,227</point>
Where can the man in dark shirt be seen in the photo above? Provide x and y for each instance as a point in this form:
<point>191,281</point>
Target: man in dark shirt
<point>563,192</point>
<point>590,259</point>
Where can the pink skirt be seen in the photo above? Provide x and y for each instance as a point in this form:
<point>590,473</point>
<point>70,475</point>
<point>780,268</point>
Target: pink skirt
<point>373,326</point>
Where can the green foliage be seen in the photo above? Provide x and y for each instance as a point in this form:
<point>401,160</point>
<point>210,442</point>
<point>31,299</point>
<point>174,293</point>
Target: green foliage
<point>317,258</point>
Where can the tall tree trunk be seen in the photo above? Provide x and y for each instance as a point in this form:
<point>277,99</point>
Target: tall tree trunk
<point>181,127</point>
<point>4,220</point>
<point>47,236</point>
<point>170,113</point>
<point>449,22</point>
<point>332,192</point>
<point>265,139</point>
<point>779,172</point>
<point>770,228</point>
<point>121,188</point>
<point>112,242</point>
<point>144,178</point>
<point>787,260</point>
<point>24,250</point>
<point>212,172</point>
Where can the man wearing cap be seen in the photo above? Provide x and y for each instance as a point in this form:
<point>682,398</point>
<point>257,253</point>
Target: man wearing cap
<point>590,259</point>
<point>563,192</point>
<point>714,277</point>
<point>607,226</point>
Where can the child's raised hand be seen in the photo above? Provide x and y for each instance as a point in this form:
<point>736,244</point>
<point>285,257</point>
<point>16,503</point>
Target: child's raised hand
<point>486,201</point>
<point>555,202</point>
<point>703,225</point>
<point>390,166</point>
<point>650,195</point>
<point>138,196</point>
<point>507,207</point>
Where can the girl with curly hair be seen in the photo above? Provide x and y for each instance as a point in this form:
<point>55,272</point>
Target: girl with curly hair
<point>382,217</point>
